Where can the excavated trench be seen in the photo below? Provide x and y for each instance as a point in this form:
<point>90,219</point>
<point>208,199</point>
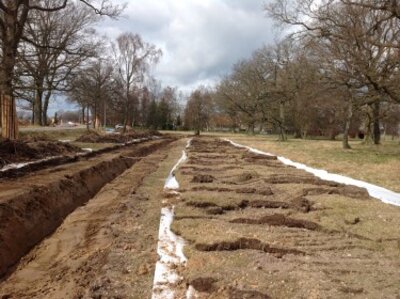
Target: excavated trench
<point>32,207</point>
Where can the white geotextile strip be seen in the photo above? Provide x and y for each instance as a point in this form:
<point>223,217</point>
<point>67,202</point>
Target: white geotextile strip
<point>170,246</point>
<point>85,149</point>
<point>385,195</point>
<point>21,165</point>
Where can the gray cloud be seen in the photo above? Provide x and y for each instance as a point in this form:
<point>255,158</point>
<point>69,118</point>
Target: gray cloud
<point>201,39</point>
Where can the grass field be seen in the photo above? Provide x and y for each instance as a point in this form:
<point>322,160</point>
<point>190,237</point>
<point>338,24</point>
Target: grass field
<point>53,133</point>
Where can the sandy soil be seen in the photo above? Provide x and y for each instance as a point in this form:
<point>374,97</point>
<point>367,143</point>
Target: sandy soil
<point>256,228</point>
<point>253,228</point>
<point>105,249</point>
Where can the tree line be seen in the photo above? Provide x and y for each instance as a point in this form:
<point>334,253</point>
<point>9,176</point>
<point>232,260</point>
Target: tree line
<point>337,72</point>
<point>50,47</point>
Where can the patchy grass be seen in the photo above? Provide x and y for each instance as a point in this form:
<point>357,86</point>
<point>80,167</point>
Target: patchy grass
<point>351,246</point>
<point>54,133</point>
<point>375,164</point>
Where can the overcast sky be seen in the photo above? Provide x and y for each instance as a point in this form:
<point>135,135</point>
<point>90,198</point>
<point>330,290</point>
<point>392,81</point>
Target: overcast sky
<point>200,39</point>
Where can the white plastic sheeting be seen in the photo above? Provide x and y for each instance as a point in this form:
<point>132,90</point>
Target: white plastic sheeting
<point>21,165</point>
<point>170,246</point>
<point>385,195</point>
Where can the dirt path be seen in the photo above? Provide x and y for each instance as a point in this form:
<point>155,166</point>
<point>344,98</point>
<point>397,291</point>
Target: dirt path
<point>105,249</point>
<point>256,228</point>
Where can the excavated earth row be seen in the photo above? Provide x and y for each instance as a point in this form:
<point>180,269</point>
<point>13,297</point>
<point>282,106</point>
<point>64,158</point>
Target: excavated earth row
<point>32,207</point>
<point>107,247</point>
<point>256,228</point>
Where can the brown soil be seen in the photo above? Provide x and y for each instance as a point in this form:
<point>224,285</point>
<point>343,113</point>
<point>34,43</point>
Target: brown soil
<point>276,233</point>
<point>106,248</point>
<point>28,149</point>
<point>262,190</point>
<point>246,243</point>
<point>278,220</point>
<point>350,191</point>
<point>30,214</point>
<point>96,137</point>
<point>203,284</point>
<point>203,178</point>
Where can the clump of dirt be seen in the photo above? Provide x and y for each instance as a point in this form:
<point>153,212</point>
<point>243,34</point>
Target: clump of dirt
<point>253,156</point>
<point>203,178</point>
<point>318,191</point>
<point>212,208</point>
<point>353,192</point>
<point>211,189</point>
<point>302,204</point>
<point>262,191</point>
<point>201,204</point>
<point>203,284</point>
<point>194,168</point>
<point>345,190</point>
<point>266,204</point>
<point>295,179</point>
<point>248,244</point>
<point>279,220</point>
<point>247,176</point>
<point>27,149</point>
<point>215,211</point>
<point>97,137</point>
<point>234,293</point>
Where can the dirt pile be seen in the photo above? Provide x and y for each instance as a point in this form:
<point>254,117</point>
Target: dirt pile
<point>278,220</point>
<point>27,149</point>
<point>246,243</point>
<point>96,137</point>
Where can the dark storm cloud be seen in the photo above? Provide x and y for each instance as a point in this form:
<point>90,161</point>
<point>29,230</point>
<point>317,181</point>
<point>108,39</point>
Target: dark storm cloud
<point>201,39</point>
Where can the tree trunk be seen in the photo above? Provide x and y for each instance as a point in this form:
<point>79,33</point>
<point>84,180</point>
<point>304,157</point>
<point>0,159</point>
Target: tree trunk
<point>376,109</point>
<point>297,134</point>
<point>97,122</point>
<point>37,110</point>
<point>368,127</point>
<point>45,108</point>
<point>282,121</point>
<point>349,116</point>
<point>87,118</point>
<point>9,119</point>
<point>83,115</point>
<point>13,22</point>
<point>332,135</point>
<point>251,128</point>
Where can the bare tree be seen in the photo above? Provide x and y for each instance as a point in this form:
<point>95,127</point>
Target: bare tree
<point>359,52</point>
<point>65,42</point>
<point>198,110</point>
<point>92,87</point>
<point>133,58</point>
<point>13,17</point>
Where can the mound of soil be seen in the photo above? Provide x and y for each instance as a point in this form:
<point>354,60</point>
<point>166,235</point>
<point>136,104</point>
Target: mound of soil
<point>246,244</point>
<point>203,178</point>
<point>27,149</point>
<point>96,137</point>
<point>279,220</point>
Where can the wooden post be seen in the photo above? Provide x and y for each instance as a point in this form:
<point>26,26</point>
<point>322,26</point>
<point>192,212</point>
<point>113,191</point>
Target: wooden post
<point>9,118</point>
